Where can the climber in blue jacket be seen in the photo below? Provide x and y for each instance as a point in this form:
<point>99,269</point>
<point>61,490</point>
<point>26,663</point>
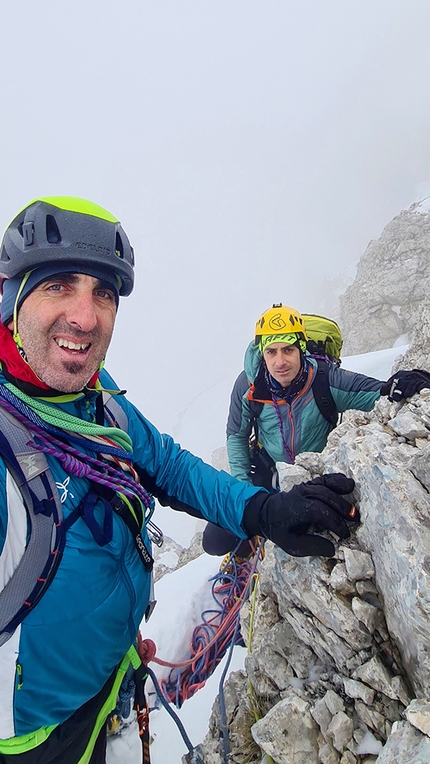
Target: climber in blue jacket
<point>94,462</point>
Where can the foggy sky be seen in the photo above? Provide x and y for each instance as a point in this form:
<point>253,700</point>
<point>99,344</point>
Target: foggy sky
<point>251,149</point>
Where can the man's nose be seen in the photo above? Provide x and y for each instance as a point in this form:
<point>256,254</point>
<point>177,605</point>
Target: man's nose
<point>81,312</point>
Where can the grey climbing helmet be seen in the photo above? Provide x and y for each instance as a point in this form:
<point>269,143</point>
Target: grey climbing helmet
<point>67,228</point>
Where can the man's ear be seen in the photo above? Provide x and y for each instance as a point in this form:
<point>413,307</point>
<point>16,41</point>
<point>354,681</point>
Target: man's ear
<point>10,325</point>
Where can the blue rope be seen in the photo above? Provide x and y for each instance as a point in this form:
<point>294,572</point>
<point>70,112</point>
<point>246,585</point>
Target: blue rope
<point>195,758</point>
<point>222,708</point>
<point>223,711</point>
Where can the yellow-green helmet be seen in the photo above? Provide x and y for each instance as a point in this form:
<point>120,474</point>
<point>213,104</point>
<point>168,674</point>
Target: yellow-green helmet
<point>67,229</point>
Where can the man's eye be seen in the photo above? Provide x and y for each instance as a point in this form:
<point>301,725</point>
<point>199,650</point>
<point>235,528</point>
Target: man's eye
<point>54,287</point>
<point>105,294</point>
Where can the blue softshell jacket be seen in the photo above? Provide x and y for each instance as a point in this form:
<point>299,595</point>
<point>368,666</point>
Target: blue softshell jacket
<point>71,642</point>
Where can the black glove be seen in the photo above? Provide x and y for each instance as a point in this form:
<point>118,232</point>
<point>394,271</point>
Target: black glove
<point>285,518</point>
<point>404,384</point>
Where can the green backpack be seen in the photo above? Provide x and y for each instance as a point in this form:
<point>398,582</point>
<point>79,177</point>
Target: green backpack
<point>324,337</point>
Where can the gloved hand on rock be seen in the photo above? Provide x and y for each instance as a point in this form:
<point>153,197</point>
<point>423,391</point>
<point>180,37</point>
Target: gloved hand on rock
<point>404,384</point>
<point>286,517</point>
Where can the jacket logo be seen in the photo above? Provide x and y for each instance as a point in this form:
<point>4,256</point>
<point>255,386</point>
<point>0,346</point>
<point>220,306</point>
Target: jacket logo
<point>29,465</point>
<point>64,490</point>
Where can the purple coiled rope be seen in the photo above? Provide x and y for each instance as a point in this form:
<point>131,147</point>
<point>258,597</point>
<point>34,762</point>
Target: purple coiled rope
<point>19,406</point>
<point>281,427</point>
<point>71,459</point>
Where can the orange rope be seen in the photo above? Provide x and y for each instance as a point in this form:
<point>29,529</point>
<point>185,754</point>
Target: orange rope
<point>224,626</point>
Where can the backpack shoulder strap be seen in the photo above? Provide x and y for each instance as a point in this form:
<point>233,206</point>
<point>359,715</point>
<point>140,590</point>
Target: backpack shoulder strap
<point>114,413</point>
<point>255,408</point>
<point>263,470</point>
<point>117,417</point>
<point>42,554</point>
<point>322,393</point>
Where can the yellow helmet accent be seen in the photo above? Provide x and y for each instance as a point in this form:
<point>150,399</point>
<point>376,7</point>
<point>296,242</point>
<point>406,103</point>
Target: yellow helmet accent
<point>280,319</point>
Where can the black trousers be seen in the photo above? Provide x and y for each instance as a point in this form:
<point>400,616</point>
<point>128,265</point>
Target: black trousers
<point>219,541</point>
<point>67,743</point>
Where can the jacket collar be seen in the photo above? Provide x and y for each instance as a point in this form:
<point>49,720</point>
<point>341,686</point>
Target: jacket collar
<point>260,391</point>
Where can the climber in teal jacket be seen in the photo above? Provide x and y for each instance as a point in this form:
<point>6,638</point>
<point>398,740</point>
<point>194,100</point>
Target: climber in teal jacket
<point>77,481</point>
<point>290,421</point>
<point>274,414</point>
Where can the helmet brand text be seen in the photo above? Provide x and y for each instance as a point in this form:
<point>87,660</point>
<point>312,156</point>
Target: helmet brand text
<point>93,247</point>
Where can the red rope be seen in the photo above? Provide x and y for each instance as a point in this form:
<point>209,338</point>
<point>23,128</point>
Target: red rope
<point>224,626</point>
<point>193,673</point>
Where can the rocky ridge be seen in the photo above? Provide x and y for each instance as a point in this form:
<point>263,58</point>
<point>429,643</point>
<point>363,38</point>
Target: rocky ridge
<point>339,666</point>
<point>393,278</point>
<point>172,555</point>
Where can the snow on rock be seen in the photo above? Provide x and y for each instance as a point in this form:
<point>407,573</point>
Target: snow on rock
<point>423,206</point>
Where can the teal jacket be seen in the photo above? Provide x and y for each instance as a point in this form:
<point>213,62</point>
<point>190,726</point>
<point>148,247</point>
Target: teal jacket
<point>305,428</point>
<point>69,645</point>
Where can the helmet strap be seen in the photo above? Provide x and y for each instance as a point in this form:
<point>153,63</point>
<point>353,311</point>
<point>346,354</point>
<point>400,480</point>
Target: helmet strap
<point>15,332</point>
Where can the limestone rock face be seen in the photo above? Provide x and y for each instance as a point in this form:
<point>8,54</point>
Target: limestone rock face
<point>172,555</point>
<point>393,279</point>
<point>291,720</point>
<point>418,354</point>
<point>339,669</point>
<point>219,459</point>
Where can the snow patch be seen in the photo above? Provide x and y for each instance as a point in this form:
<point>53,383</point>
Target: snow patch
<point>377,364</point>
<point>169,558</point>
<point>423,207</point>
<point>369,744</point>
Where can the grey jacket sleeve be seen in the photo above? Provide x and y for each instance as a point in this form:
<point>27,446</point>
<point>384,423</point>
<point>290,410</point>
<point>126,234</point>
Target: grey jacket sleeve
<point>240,387</point>
<point>239,430</point>
<point>351,390</point>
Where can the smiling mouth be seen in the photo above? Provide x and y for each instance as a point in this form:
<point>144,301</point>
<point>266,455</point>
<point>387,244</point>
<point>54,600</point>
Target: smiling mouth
<point>76,347</point>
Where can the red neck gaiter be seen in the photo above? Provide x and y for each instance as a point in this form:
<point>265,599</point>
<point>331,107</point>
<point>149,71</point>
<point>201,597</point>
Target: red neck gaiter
<point>15,364</point>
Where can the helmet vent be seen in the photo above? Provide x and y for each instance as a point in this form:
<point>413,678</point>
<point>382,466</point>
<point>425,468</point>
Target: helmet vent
<point>119,249</point>
<point>27,232</point>
<point>52,231</point>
